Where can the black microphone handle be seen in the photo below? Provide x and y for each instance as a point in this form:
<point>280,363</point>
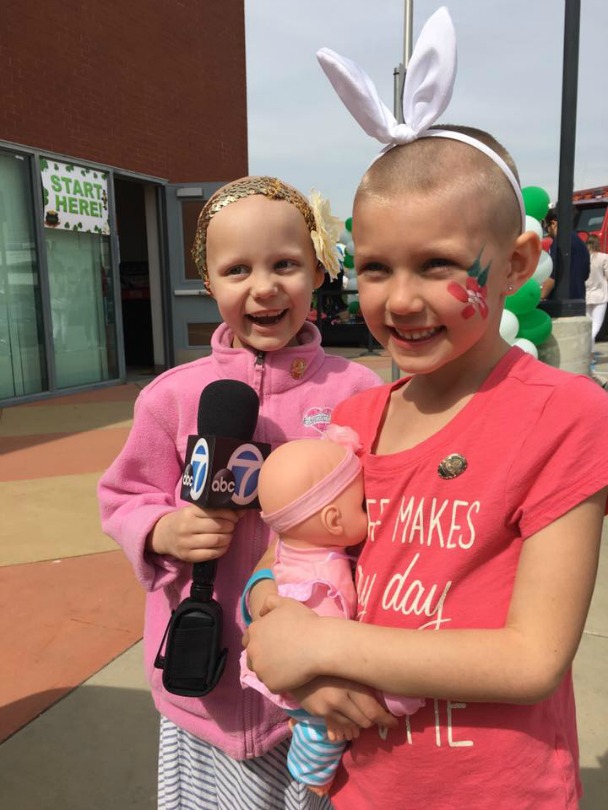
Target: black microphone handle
<point>203,579</point>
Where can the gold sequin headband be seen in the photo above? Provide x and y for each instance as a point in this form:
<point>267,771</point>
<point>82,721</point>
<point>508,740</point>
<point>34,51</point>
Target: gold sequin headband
<point>324,229</point>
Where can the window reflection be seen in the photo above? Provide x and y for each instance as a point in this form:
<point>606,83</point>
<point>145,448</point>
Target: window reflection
<point>82,311</point>
<point>22,357</point>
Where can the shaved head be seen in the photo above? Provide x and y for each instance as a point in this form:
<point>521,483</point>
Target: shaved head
<point>431,165</point>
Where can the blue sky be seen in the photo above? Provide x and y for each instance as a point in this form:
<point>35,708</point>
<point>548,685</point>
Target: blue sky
<point>509,82</point>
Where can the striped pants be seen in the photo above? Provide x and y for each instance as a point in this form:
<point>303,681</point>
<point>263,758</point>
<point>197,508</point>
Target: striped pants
<point>193,775</point>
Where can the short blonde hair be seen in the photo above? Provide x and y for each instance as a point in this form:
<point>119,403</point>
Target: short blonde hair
<point>427,164</point>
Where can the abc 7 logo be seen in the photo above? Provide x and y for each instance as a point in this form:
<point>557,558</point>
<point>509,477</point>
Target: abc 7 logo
<point>244,464</point>
<point>238,482</point>
<point>195,474</point>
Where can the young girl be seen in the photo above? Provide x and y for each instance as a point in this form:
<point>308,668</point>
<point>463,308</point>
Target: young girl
<point>486,476</point>
<point>262,249</point>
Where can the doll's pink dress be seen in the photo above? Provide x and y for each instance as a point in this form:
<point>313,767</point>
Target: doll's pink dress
<point>321,578</point>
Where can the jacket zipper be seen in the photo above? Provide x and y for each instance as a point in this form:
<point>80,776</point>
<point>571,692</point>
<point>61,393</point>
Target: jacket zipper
<point>258,371</point>
<point>251,698</point>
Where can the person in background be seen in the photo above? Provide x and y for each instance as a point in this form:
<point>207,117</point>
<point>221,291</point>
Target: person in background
<point>579,261</point>
<point>596,287</point>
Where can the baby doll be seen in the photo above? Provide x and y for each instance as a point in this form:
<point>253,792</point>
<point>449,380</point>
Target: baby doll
<point>311,493</point>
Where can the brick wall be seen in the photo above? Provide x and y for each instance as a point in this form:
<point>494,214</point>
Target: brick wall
<point>152,86</point>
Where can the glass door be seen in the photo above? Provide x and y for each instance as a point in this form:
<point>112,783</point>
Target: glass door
<point>23,368</point>
<point>82,307</point>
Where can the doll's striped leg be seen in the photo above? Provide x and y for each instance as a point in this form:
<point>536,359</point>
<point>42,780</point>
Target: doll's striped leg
<point>313,759</point>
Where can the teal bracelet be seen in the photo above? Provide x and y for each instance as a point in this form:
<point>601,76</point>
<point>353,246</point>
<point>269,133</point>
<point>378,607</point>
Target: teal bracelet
<point>263,573</point>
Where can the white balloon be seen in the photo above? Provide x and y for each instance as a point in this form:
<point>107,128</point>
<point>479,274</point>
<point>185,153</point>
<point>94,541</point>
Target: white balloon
<point>533,224</point>
<point>509,326</point>
<point>527,346</point>
<point>345,236</point>
<point>350,247</point>
<point>543,268</point>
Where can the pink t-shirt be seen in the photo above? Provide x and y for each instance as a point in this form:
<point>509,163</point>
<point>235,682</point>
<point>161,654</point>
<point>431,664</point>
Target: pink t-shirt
<point>442,554</point>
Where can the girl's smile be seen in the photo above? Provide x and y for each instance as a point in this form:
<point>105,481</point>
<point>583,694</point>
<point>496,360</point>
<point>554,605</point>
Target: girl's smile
<point>417,336</point>
<point>267,318</point>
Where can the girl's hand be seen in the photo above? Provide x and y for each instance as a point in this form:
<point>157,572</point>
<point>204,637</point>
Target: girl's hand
<point>193,534</point>
<point>281,645</point>
<point>345,706</point>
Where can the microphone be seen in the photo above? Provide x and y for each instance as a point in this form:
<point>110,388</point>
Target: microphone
<point>222,463</point>
<point>222,471</point>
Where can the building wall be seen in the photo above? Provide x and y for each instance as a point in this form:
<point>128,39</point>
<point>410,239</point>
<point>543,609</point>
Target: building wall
<point>153,87</point>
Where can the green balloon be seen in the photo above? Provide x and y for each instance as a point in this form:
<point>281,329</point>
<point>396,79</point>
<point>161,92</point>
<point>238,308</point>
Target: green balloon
<point>535,326</point>
<point>349,224</point>
<point>536,202</point>
<point>349,261</point>
<point>525,299</point>
<point>353,307</point>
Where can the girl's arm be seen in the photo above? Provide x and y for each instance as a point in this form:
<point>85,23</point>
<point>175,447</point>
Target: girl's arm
<point>265,587</point>
<point>344,705</point>
<point>520,663</point>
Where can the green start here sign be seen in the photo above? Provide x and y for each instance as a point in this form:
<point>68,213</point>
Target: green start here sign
<point>75,197</point>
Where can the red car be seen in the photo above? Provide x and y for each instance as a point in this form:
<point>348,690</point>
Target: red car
<point>590,209</point>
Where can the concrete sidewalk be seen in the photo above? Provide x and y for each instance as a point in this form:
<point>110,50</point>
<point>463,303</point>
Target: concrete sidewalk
<point>78,730</point>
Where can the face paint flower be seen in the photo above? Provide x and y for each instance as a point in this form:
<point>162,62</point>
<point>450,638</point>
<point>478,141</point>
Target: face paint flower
<point>474,296</point>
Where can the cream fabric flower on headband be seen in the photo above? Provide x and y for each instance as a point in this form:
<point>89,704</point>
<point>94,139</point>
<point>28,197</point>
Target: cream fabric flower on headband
<point>326,234</point>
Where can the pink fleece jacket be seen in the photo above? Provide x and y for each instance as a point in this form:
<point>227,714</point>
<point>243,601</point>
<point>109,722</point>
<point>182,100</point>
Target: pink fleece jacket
<point>298,387</point>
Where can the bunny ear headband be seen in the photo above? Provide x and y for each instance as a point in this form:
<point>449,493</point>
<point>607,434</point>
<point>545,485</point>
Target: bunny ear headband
<point>429,81</point>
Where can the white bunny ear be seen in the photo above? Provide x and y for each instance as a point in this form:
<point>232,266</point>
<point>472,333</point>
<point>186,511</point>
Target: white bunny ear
<point>431,73</point>
<point>428,84</point>
<point>358,94</point>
